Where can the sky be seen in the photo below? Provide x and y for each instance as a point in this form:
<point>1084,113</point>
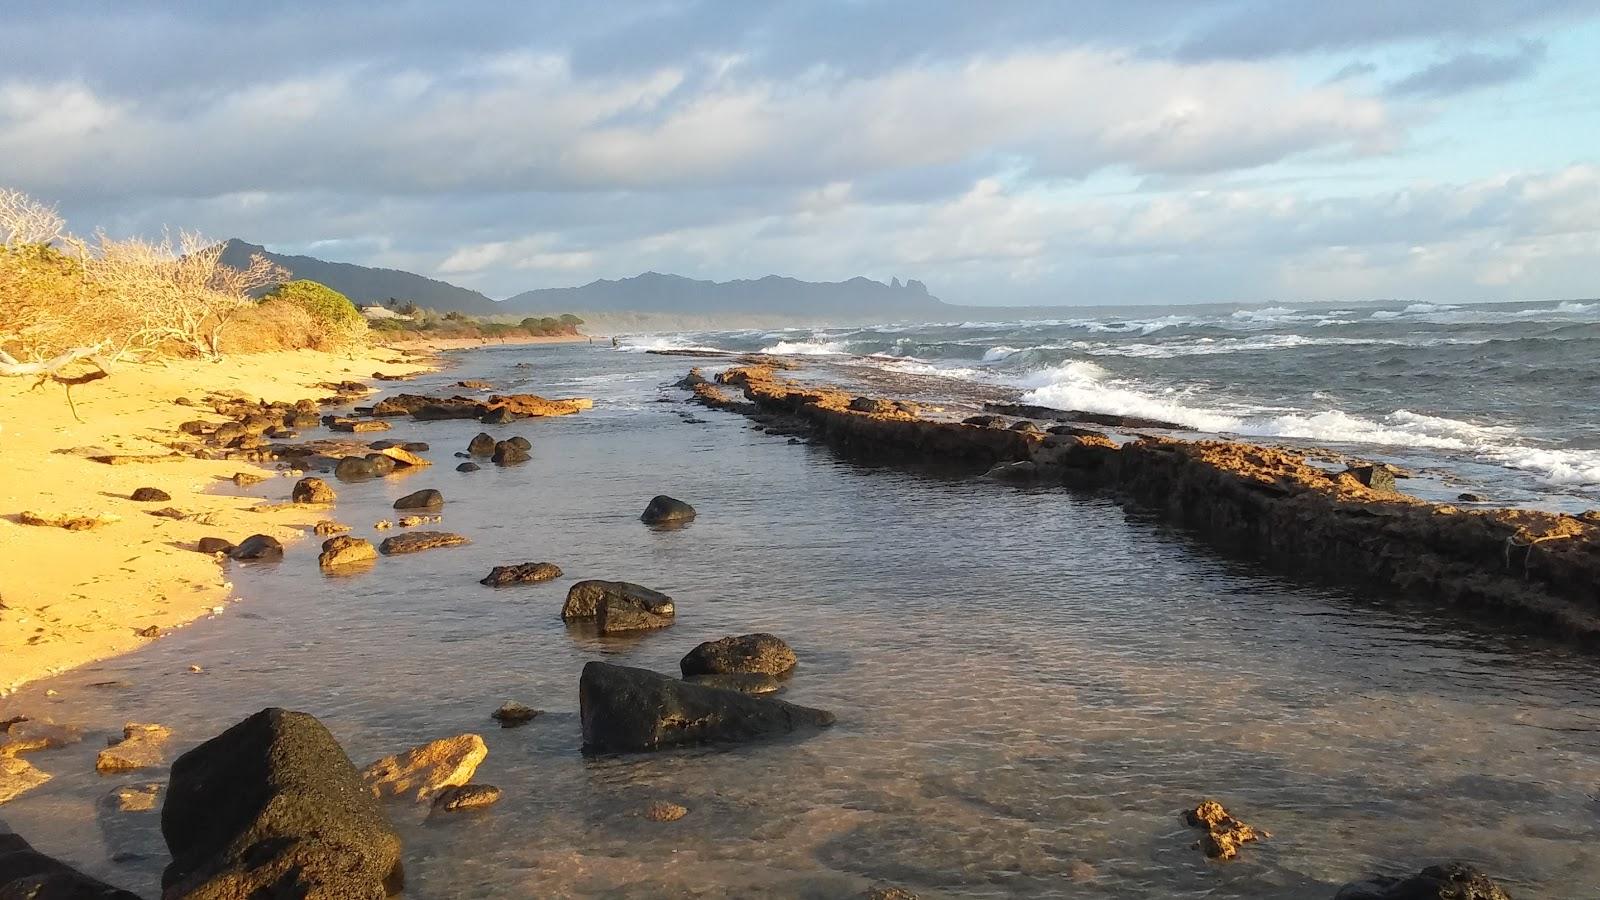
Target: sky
<point>1126,151</point>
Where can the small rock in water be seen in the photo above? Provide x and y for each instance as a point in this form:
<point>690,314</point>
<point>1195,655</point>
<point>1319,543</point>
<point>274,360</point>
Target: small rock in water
<point>482,445</point>
<point>468,467</point>
<point>30,735</point>
<point>382,525</point>
<point>425,770</point>
<point>417,541</point>
<point>403,456</point>
<point>465,797</point>
<point>511,714</point>
<point>524,573</point>
<point>618,606</point>
<point>760,653</point>
<point>381,465</point>
<point>135,797</point>
<point>427,498</point>
<point>888,892</point>
<point>1452,881</point>
<point>141,747</point>
<point>312,490</point>
<point>354,468</point>
<point>662,811</point>
<point>623,710</point>
<point>507,453</point>
<point>328,528</point>
<point>245,479</point>
<point>414,521</point>
<point>150,495</point>
<point>1470,498</point>
<point>1224,834</point>
<point>664,510</point>
<point>346,551</point>
<point>258,547</point>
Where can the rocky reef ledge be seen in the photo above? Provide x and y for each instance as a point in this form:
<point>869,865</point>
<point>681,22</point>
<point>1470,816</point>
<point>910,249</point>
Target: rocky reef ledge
<point>1538,568</point>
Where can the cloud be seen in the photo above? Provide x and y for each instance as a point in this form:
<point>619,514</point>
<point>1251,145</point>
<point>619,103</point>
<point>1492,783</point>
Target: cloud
<point>1471,70</point>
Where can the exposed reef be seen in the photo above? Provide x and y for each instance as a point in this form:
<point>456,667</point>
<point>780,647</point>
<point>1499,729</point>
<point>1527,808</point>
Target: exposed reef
<point>1538,567</point>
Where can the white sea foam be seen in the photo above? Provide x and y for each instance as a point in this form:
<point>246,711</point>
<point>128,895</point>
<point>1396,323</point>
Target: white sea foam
<point>807,348</point>
<point>996,354</point>
<point>646,342</point>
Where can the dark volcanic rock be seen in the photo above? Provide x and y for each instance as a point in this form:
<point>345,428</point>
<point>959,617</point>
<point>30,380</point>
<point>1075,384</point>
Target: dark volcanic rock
<point>417,541</point>
<point>312,490</point>
<point>524,573</point>
<point>354,468</point>
<point>482,445</point>
<point>450,409</point>
<point>506,453</point>
<point>985,421</point>
<point>258,546</point>
<point>214,545</point>
<point>511,714</point>
<point>664,510</point>
<point>520,442</point>
<point>1112,420</point>
<point>27,874</point>
<point>873,406</point>
<point>625,709</point>
<point>427,498</point>
<point>617,606</point>
<point>1025,425</point>
<point>760,653</point>
<point>468,467</point>
<point>497,416</point>
<point>382,463</point>
<point>1453,881</point>
<point>273,808</point>
<point>150,495</point>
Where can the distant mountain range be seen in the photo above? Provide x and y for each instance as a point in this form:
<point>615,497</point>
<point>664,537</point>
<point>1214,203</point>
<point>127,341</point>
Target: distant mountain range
<point>859,299</point>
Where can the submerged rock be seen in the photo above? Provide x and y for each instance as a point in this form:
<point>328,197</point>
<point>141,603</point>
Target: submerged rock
<point>618,606</point>
<point>465,797</point>
<point>134,797</point>
<point>985,421</point>
<point>1452,881</point>
<point>423,499</point>
<point>511,714</point>
<point>312,490</point>
<point>18,776</point>
<point>417,541</point>
<point>355,468</point>
<point>141,747</point>
<point>760,653</point>
<point>27,874</point>
<point>522,573</point>
<point>150,495</point>
<point>425,770</point>
<point>468,467</point>
<point>1223,833</point>
<point>258,547</point>
<point>626,709</point>
<point>344,550</point>
<point>664,510</point>
<point>272,807</point>
<point>32,735</point>
<point>382,465</point>
<point>663,811</point>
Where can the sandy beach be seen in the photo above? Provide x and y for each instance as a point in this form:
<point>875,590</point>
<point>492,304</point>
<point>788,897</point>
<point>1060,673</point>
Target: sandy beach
<point>71,597</point>
<point>437,344</point>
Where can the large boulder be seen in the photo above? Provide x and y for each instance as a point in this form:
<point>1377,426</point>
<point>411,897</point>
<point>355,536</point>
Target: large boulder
<point>427,498</point>
<point>312,490</point>
<point>626,710</point>
<point>664,510</point>
<point>617,606</point>
<point>522,573</point>
<point>258,547</point>
<point>1452,881</point>
<point>273,807</point>
<point>761,653</point>
<point>27,874</point>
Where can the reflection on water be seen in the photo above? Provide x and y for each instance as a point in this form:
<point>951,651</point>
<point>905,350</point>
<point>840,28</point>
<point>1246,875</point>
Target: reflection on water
<point>1029,686</point>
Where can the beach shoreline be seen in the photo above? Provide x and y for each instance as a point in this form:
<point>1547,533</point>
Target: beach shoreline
<point>74,597</point>
<point>435,345</point>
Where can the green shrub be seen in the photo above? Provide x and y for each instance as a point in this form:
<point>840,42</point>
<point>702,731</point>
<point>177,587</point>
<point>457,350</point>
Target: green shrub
<point>332,310</point>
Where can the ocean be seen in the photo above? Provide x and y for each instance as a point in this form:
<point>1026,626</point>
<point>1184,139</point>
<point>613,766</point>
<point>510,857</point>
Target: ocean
<point>1497,399</point>
<point>1030,684</point>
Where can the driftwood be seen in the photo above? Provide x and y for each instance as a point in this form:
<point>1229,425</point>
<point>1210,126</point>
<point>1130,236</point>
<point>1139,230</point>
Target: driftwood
<point>50,370</point>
